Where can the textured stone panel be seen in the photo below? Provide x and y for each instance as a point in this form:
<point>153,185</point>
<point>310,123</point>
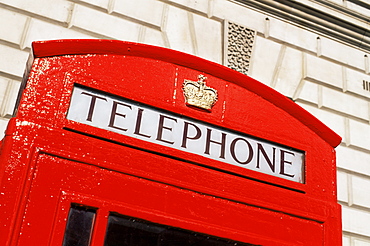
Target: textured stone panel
<point>239,44</point>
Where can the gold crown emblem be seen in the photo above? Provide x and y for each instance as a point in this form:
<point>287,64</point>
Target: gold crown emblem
<point>198,94</point>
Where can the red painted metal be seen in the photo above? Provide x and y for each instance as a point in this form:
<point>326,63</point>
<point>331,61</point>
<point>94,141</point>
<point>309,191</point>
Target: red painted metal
<point>49,162</point>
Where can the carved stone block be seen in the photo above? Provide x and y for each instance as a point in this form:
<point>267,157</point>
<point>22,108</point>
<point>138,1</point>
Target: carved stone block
<point>239,42</point>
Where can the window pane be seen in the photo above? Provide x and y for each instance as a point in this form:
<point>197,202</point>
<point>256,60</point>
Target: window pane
<point>127,231</point>
<point>79,226</point>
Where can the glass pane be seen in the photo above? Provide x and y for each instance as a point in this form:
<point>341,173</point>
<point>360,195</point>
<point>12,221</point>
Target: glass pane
<point>79,226</point>
<point>127,231</point>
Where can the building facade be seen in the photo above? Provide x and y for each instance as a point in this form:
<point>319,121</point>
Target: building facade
<point>314,52</point>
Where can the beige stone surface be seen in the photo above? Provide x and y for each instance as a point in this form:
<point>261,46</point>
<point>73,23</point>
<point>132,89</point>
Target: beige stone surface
<point>58,10</point>
<point>239,14</point>
<point>265,56</point>
<point>154,37</point>
<point>194,5</point>
<point>342,188</point>
<point>3,125</point>
<point>360,242</point>
<point>293,35</point>
<point>354,82</point>
<point>323,71</point>
<point>308,92</point>
<point>104,24</point>
<point>150,11</point>
<point>357,134</point>
<point>334,121</point>
<point>360,191</point>
<point>353,160</point>
<point>289,74</point>
<point>208,38</point>
<point>99,3</point>
<point>12,60</point>
<point>13,30</point>
<point>178,27</point>
<point>356,221</point>
<point>339,101</point>
<point>39,30</point>
<point>340,53</point>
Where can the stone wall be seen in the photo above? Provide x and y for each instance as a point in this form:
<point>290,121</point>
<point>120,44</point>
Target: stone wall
<point>324,69</point>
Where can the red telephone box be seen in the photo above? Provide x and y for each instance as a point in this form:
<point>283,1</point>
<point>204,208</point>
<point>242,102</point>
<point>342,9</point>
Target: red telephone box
<point>117,143</point>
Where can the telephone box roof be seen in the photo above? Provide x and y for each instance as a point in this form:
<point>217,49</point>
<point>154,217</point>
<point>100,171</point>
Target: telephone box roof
<point>96,46</point>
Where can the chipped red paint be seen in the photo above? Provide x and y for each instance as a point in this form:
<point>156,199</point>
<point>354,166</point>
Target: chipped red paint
<point>49,162</point>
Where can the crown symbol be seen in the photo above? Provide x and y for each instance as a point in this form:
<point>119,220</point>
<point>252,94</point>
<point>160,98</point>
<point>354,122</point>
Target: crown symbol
<point>198,94</point>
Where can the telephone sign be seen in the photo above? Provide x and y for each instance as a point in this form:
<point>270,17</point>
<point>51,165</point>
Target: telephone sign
<point>149,124</point>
